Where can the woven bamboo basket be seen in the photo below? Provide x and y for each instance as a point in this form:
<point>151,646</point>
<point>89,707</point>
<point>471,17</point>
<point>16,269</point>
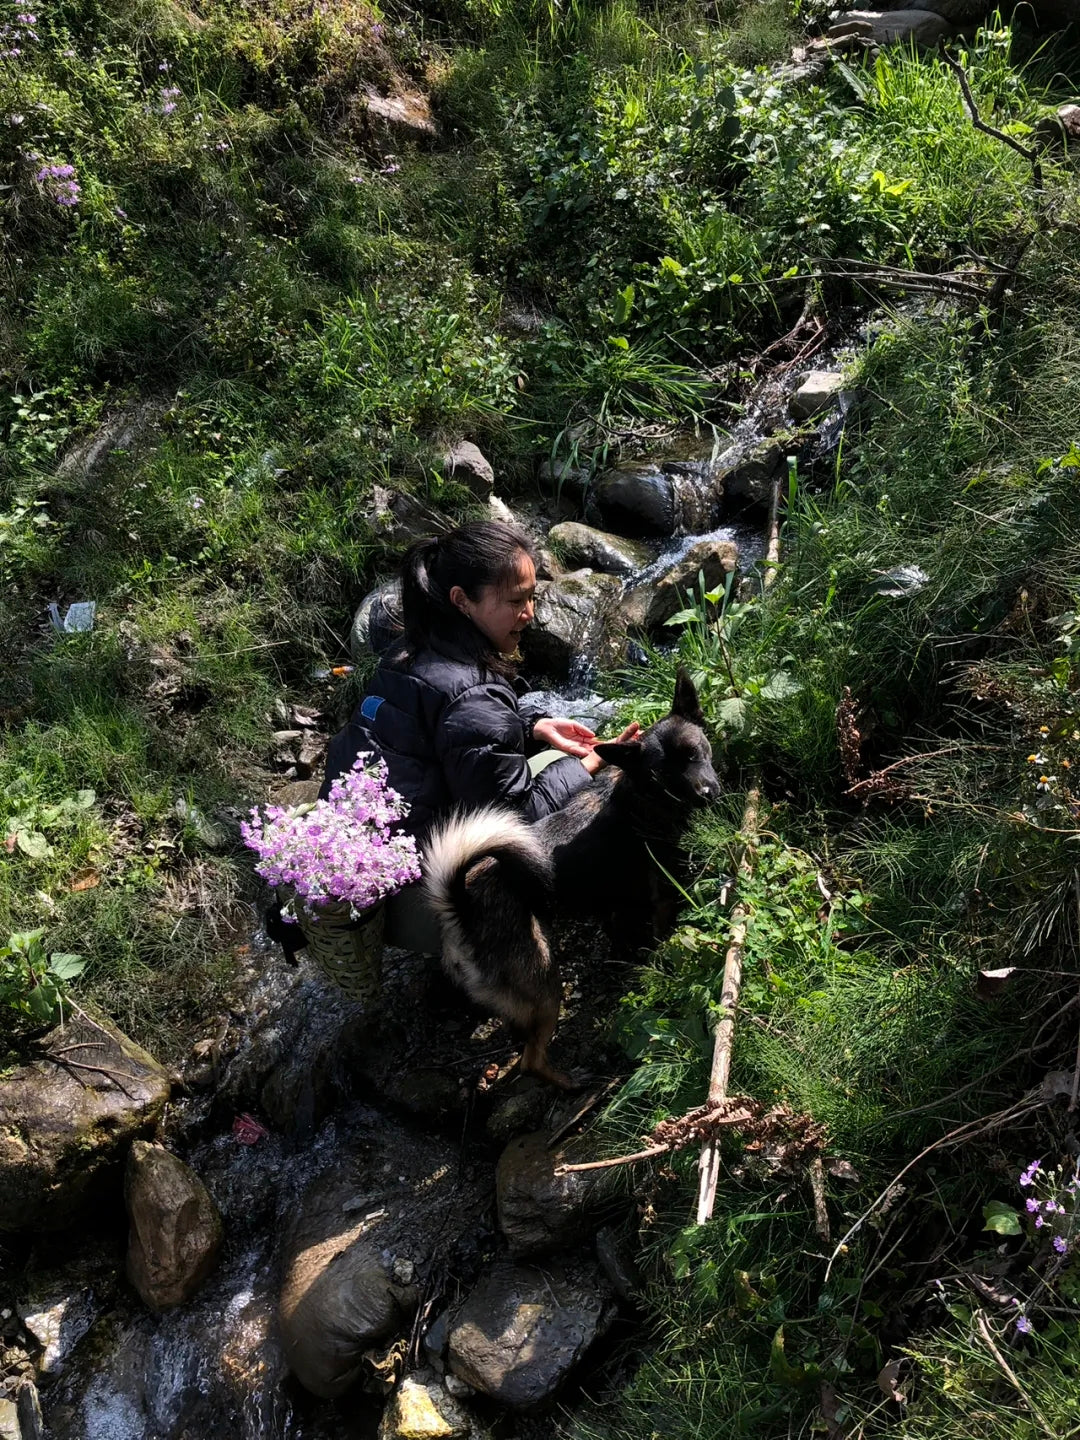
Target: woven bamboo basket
<point>348,951</point>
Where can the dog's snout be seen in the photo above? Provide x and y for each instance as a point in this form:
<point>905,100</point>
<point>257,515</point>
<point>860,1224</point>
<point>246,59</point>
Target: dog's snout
<point>707,789</point>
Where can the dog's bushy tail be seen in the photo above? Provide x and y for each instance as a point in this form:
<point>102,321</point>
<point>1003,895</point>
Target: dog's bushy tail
<point>463,842</point>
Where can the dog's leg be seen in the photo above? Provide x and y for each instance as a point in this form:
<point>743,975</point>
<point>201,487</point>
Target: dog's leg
<point>538,1037</point>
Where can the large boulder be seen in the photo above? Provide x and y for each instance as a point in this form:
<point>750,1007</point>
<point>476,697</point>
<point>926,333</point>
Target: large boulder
<point>401,119</point>
<point>633,499</point>
<point>58,1321</point>
<point>469,466</point>
<point>377,622</point>
<point>580,547</point>
<point>175,1227</point>
<point>711,559</point>
<point>892,27</point>
<point>523,1329</point>
<point>540,1211</point>
<point>339,1295</point>
<point>576,620</point>
<point>750,471</point>
<point>66,1118</point>
<point>398,517</point>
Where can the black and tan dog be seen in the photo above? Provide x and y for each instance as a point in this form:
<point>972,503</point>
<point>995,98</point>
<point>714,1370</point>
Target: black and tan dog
<point>495,881</point>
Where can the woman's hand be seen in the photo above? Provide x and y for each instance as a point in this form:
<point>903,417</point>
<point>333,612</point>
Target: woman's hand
<point>566,735</point>
<point>593,762</point>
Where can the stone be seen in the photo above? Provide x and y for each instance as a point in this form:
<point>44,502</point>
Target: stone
<point>436,1339</point>
<point>892,27</point>
<point>402,119</point>
<point>633,499</point>
<point>750,471</point>
<point>338,1297</point>
<point>377,622</point>
<point>522,1330</point>
<point>710,558</point>
<point>122,431</point>
<point>398,518</point>
<point>10,1429</point>
<point>176,1229</point>
<point>522,1109</point>
<point>28,1406</point>
<point>816,392</point>
<point>616,1264</point>
<point>538,1210</point>
<point>575,621</point>
<point>64,1126</point>
<point>560,479</point>
<point>421,1409</point>
<point>434,1096</point>
<point>580,547</point>
<point>1068,118</point>
<point>465,463</point>
<point>58,1323</point>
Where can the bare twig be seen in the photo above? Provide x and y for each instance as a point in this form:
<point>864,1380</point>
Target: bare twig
<point>582,1110</point>
<point>1006,1370</point>
<point>817,1187</point>
<point>615,1160</point>
<point>967,1131</point>
<point>709,1164</point>
<point>1076,1072</point>
<point>1031,155</point>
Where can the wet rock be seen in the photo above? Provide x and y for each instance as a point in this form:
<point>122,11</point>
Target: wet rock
<point>892,27</point>
<point>466,463</point>
<point>434,1096</point>
<point>58,1323</point>
<point>176,1229</point>
<point>65,1120</point>
<point>616,1264</point>
<point>523,1330</point>
<point>387,1211</point>
<point>560,479</point>
<point>421,1409</point>
<point>436,1339</point>
<point>21,1419</point>
<point>523,1109</point>
<point>750,471</point>
<point>403,119</point>
<point>377,622</point>
<point>339,1297</point>
<point>582,547</point>
<point>633,499</point>
<point>538,1210</point>
<point>816,392</point>
<point>712,559</point>
<point>575,619</point>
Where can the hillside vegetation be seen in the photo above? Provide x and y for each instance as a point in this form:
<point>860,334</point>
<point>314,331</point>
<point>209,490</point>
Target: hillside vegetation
<point>209,247</point>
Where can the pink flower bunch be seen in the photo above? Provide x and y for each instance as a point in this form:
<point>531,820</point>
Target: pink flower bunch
<point>342,848</point>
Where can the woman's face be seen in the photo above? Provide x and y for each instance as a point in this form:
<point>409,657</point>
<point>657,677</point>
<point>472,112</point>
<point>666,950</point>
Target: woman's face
<point>502,612</point>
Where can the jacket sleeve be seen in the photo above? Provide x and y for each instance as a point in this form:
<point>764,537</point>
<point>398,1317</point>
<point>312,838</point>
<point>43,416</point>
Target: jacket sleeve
<point>479,742</point>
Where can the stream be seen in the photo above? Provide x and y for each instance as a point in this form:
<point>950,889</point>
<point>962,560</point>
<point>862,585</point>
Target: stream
<point>396,1095</point>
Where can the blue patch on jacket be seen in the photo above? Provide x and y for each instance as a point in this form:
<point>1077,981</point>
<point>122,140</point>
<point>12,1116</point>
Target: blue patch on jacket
<point>370,706</point>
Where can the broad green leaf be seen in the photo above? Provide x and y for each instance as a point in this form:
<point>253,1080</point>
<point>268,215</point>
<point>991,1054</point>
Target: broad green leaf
<point>732,713</point>
<point>66,967</point>
<point>41,1002</point>
<point>619,341</point>
<point>33,843</point>
<point>85,798</point>
<point>779,686</point>
<point>1001,1218</point>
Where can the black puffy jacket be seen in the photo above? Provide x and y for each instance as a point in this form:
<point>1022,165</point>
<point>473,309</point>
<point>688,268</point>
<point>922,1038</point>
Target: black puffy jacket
<point>452,737</point>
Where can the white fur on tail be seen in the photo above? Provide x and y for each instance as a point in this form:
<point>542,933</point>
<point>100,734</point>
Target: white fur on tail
<point>463,840</point>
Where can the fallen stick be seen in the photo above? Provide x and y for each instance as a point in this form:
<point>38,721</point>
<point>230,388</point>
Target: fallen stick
<point>709,1164</point>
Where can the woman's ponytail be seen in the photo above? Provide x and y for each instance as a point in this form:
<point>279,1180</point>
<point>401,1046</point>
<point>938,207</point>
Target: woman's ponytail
<point>420,602</point>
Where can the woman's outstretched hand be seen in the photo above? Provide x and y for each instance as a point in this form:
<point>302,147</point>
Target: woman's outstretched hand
<point>566,735</point>
<point>593,762</point>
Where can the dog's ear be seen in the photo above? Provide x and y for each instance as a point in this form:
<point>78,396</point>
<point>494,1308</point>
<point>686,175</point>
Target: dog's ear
<point>628,755</point>
<point>686,703</point>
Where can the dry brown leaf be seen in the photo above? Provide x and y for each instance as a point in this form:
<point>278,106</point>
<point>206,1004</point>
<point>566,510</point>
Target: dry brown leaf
<point>85,880</point>
<point>888,1381</point>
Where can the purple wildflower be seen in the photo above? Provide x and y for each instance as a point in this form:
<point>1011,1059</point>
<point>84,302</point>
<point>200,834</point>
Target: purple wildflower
<point>120,214</point>
<point>1024,1325</point>
<point>341,848</point>
<point>1039,1222</point>
<point>356,179</point>
<point>164,65</point>
<point>1032,1204</point>
<point>26,19</point>
<point>197,502</point>
<point>1060,1244</point>
<point>1029,1174</point>
<point>171,92</point>
<point>168,108</point>
<point>16,119</point>
<point>390,170</point>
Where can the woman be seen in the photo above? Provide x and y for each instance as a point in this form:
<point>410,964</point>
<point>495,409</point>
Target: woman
<point>441,710</point>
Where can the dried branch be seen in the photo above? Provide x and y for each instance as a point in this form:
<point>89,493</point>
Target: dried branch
<point>709,1164</point>
<point>1030,154</point>
<point>984,1331</point>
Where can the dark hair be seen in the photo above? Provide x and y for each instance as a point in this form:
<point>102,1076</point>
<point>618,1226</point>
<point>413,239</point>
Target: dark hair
<point>486,552</point>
